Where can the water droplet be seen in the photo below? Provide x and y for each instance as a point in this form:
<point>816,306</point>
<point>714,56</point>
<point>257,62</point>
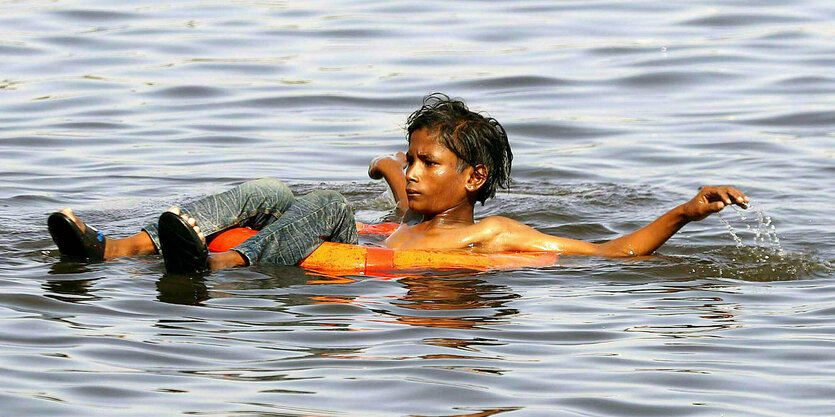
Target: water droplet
<point>765,232</point>
<point>738,241</point>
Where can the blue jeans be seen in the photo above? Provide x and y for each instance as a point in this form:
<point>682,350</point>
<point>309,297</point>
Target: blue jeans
<point>289,228</point>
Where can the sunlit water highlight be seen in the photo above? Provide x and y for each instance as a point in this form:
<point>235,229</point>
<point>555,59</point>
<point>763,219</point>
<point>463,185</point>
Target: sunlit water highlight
<point>617,111</point>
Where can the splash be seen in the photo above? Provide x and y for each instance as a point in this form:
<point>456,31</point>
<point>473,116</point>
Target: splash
<point>758,255</point>
<point>760,226</point>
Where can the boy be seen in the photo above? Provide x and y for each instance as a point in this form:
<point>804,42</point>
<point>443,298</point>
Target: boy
<point>455,158</point>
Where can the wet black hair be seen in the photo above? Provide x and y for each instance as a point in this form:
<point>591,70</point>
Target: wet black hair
<point>474,138</point>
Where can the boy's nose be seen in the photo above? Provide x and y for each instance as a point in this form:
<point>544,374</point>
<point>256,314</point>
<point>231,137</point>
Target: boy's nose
<point>410,174</point>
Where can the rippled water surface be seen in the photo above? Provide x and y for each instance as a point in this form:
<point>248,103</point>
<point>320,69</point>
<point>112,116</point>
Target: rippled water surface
<point>617,111</point>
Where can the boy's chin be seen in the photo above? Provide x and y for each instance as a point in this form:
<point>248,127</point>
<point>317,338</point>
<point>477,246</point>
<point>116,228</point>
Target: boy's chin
<point>417,208</point>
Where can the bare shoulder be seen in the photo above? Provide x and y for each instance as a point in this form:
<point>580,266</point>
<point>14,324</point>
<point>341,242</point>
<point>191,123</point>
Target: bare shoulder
<point>499,224</point>
<point>497,233</point>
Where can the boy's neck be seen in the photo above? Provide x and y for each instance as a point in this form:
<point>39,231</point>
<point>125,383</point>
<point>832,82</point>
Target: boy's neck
<point>461,214</point>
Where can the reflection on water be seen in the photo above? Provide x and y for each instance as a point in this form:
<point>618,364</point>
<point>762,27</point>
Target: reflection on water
<point>451,302</point>
<point>182,289</point>
<point>688,315</point>
<point>70,291</point>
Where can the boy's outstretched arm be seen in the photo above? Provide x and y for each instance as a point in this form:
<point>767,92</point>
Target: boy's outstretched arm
<point>391,167</point>
<point>511,235</point>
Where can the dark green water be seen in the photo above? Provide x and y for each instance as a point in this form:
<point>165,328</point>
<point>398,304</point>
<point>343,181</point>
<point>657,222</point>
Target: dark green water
<point>616,111</point>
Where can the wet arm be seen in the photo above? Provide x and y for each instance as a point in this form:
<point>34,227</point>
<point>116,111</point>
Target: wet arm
<point>511,235</point>
<point>647,239</point>
<point>390,167</point>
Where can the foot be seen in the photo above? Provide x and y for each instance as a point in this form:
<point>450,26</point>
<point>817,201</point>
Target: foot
<point>221,260</point>
<point>190,220</point>
<point>68,212</point>
<point>228,259</point>
<point>183,243</point>
<point>74,238</point>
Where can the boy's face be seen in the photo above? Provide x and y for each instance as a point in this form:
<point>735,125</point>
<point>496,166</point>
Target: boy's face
<point>433,183</point>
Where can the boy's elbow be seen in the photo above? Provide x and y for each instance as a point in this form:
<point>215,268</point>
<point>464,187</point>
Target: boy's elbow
<point>373,172</point>
<point>615,251</point>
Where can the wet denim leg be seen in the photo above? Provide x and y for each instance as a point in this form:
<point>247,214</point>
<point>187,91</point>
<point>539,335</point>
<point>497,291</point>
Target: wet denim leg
<point>321,216</point>
<point>254,203</point>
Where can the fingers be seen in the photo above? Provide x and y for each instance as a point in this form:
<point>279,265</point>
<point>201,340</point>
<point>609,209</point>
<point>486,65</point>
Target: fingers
<point>716,206</point>
<point>739,198</point>
<point>175,210</point>
<point>726,194</point>
<point>712,199</point>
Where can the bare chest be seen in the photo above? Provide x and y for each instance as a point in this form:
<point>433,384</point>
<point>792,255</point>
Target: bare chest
<point>417,237</point>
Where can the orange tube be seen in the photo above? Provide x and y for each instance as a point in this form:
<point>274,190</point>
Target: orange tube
<point>377,229</point>
<point>341,258</point>
<point>230,238</point>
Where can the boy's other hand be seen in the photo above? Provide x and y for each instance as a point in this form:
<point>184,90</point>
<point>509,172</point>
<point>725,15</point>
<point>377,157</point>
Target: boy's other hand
<point>379,164</point>
<point>712,199</point>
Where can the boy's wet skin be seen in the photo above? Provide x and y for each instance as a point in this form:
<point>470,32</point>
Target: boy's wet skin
<point>445,197</point>
<point>437,191</point>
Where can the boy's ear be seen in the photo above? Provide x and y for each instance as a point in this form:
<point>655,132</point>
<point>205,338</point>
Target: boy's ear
<point>477,178</point>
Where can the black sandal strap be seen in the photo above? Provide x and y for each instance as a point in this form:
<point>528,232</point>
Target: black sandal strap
<point>72,242</point>
<point>182,250</point>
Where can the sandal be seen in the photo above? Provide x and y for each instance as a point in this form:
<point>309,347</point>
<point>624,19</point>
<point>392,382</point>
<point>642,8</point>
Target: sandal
<point>72,242</point>
<point>181,247</point>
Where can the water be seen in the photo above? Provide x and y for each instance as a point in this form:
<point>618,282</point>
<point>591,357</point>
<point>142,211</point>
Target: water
<point>616,111</point>
<point>764,232</point>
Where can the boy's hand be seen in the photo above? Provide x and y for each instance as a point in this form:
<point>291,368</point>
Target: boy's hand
<point>379,164</point>
<point>712,199</point>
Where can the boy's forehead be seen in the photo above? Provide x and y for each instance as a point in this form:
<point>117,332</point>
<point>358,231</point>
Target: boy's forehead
<point>424,134</point>
<point>423,141</point>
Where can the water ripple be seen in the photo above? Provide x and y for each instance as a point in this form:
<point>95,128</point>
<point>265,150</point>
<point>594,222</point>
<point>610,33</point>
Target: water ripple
<point>616,111</point>
<point>744,19</point>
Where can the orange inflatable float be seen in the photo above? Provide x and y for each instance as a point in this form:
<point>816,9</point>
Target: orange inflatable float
<point>342,259</point>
